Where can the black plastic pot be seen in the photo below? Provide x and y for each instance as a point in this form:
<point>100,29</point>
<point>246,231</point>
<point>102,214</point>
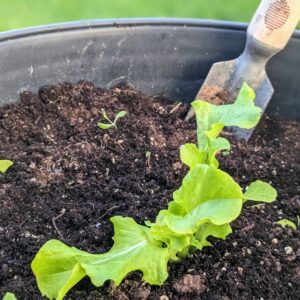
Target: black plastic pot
<point>155,55</point>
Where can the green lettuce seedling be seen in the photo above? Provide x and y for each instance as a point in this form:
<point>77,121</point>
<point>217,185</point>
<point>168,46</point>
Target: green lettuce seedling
<point>5,165</point>
<point>211,119</point>
<point>111,123</point>
<point>207,202</point>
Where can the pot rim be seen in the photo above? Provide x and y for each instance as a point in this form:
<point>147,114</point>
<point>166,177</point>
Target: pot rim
<point>125,22</point>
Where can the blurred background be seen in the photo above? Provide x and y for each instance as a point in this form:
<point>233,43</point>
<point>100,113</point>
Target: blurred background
<point>24,13</point>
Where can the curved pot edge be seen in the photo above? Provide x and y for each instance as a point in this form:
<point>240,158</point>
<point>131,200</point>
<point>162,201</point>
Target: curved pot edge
<point>102,23</point>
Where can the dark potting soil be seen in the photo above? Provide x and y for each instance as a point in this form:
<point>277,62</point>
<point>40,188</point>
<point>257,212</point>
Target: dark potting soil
<point>69,177</point>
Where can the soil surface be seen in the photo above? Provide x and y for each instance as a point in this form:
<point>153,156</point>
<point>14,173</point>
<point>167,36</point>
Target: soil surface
<point>69,177</point>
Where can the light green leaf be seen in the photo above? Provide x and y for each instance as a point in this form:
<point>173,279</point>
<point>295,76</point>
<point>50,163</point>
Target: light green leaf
<point>9,296</point>
<point>105,116</point>
<point>104,126</point>
<point>209,229</point>
<point>242,113</point>
<point>212,118</point>
<point>202,184</point>
<point>260,191</point>
<point>218,212</point>
<point>5,165</point>
<point>215,146</point>
<point>175,242</point>
<point>119,115</point>
<point>191,155</point>
<point>134,249</point>
<point>58,267</point>
<point>206,195</point>
<point>287,223</point>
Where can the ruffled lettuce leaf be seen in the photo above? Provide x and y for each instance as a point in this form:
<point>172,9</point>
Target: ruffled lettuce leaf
<point>58,267</point>
<point>205,204</point>
<point>211,118</point>
<point>190,155</point>
<point>209,229</point>
<point>203,184</point>
<point>175,242</point>
<point>217,212</point>
<point>216,146</point>
<point>260,191</point>
<point>5,165</point>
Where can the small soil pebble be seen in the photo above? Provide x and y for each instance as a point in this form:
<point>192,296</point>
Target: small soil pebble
<point>190,284</point>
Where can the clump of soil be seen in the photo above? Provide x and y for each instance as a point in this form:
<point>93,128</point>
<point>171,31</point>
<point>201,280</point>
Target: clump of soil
<point>69,177</point>
<point>213,94</point>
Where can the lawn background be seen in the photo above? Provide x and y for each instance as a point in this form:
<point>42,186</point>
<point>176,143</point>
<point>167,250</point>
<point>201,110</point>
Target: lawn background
<point>24,13</point>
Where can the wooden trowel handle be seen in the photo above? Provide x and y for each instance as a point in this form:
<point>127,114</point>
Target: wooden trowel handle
<point>274,22</point>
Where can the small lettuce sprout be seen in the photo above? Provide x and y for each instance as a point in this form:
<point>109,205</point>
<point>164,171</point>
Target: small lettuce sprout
<point>9,296</point>
<point>287,223</point>
<point>148,154</point>
<point>5,165</point>
<point>207,202</point>
<point>148,157</point>
<point>111,123</point>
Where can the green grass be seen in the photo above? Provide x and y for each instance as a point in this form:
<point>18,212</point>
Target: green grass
<point>23,13</point>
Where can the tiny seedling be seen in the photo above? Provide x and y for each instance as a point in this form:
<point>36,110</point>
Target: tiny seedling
<point>148,157</point>
<point>287,223</point>
<point>148,154</point>
<point>5,165</point>
<point>111,123</point>
<point>207,202</point>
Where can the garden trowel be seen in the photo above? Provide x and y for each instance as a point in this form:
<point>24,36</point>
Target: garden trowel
<point>268,33</point>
